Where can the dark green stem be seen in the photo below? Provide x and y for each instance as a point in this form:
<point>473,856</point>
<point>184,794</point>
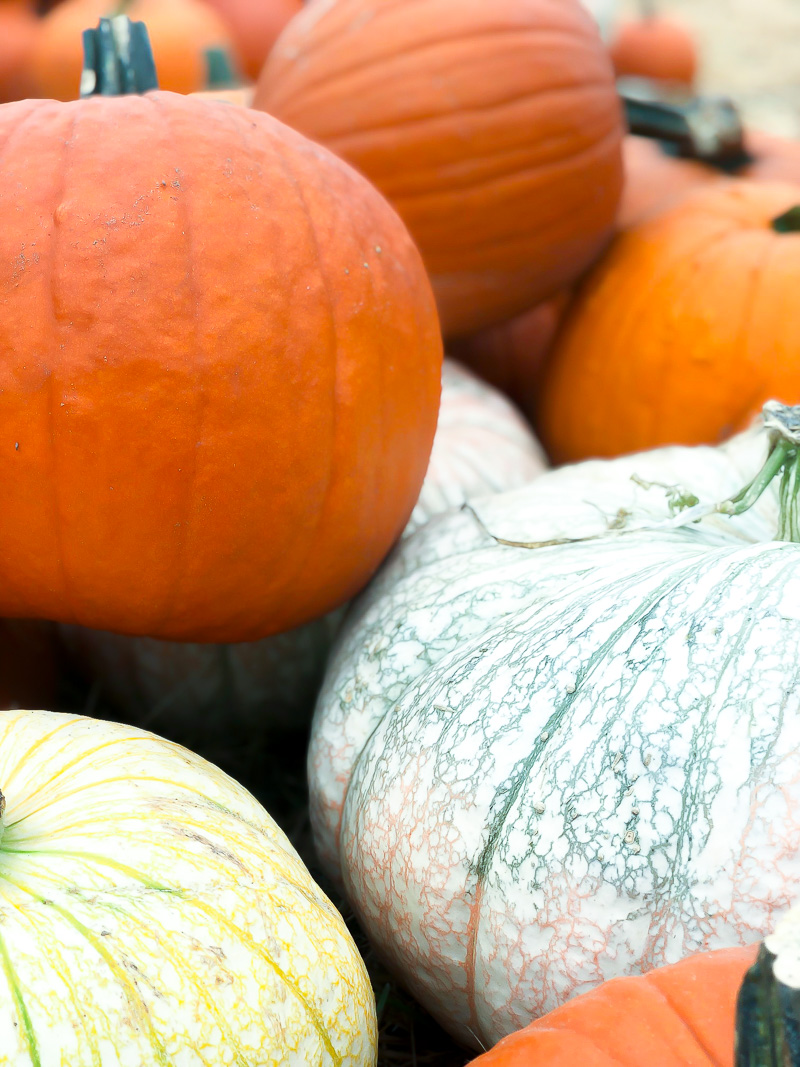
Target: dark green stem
<point>118,59</point>
<point>767,1017</point>
<point>788,222</point>
<point>783,423</point>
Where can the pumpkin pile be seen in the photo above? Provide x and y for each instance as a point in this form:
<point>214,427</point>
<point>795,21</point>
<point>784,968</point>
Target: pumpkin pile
<point>547,718</point>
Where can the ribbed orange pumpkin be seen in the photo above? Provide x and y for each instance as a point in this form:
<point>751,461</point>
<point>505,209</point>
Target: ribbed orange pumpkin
<point>18,30</point>
<point>255,25</point>
<point>220,374</point>
<point>181,31</point>
<point>654,180</point>
<point>656,48</point>
<point>493,128</point>
<point>511,356</point>
<point>678,1016</point>
<point>684,330</point>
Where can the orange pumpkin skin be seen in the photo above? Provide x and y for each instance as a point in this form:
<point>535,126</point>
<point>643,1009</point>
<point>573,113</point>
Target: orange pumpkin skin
<point>220,375</point>
<point>180,32</point>
<point>511,356</point>
<point>493,128</point>
<point>683,1015</point>
<point>655,180</point>
<point>18,31</point>
<point>255,25</point>
<point>682,332</point>
<point>656,48</point>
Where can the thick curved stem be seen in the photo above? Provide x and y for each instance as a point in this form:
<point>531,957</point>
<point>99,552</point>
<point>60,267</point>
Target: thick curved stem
<point>783,423</point>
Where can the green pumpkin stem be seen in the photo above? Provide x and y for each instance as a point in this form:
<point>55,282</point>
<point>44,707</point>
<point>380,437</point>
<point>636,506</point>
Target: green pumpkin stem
<point>767,1018</point>
<point>783,423</point>
<point>118,59</point>
<point>788,222</point>
<point>220,73</point>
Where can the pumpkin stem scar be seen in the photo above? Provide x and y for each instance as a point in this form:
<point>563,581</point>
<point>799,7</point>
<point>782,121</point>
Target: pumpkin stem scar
<point>783,423</point>
<point>767,1017</point>
<point>788,222</point>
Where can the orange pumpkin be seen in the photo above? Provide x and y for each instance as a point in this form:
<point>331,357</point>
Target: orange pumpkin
<point>683,1015</point>
<point>654,179</point>
<point>656,48</point>
<point>493,128</point>
<point>511,356</point>
<point>255,25</point>
<point>683,331</point>
<point>220,375</point>
<point>18,30</point>
<point>181,31</point>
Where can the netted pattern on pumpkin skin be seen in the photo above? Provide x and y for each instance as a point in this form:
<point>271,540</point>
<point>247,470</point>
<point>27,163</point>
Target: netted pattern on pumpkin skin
<point>447,584</point>
<point>568,799</point>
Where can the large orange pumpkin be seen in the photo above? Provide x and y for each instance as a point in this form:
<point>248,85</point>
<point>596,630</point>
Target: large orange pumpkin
<point>683,1015</point>
<point>654,179</point>
<point>493,128</point>
<point>683,331</point>
<point>511,356</point>
<point>656,48</point>
<point>18,30</point>
<point>181,32</point>
<point>220,374</point>
<point>255,25</point>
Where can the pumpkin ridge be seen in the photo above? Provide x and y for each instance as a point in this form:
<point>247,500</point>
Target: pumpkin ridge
<point>415,48</point>
<point>53,279</point>
<point>181,555</point>
<point>503,159</point>
<point>651,978</point>
<point>320,516</point>
<point>551,166</point>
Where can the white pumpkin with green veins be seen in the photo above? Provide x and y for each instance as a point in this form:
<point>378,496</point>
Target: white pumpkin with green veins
<point>204,692</point>
<point>535,769</point>
<point>151,913</point>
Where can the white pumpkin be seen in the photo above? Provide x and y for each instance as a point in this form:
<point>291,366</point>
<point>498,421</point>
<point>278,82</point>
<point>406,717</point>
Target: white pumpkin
<point>537,769</point>
<point>151,913</point>
<point>482,445</point>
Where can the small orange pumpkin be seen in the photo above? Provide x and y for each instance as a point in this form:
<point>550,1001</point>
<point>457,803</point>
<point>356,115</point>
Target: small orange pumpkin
<point>493,128</point>
<point>656,48</point>
<point>683,1015</point>
<point>181,32</point>
<point>683,331</point>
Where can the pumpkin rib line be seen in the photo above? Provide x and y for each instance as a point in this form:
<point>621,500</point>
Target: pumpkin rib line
<point>401,202</point>
<point>319,519</point>
<point>482,865</point>
<point>414,50</point>
<point>58,524</point>
<point>691,1030</point>
<point>418,122</point>
<point>182,555</point>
